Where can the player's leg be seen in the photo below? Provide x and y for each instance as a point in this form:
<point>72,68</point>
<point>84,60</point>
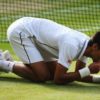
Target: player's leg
<point>16,67</point>
<point>25,70</point>
<point>51,65</point>
<point>33,72</point>
<point>19,66</point>
<point>49,58</point>
<point>21,69</point>
<point>36,72</point>
<point>26,50</point>
<point>40,69</point>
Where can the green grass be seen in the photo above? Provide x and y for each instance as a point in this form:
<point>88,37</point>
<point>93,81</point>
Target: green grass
<point>13,87</point>
<point>77,14</point>
<point>81,15</point>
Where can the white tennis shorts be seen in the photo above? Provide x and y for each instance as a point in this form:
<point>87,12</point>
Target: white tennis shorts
<point>25,47</point>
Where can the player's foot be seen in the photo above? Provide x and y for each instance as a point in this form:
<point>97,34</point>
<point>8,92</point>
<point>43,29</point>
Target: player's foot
<point>5,61</point>
<point>7,56</point>
<point>6,66</point>
<point>1,66</point>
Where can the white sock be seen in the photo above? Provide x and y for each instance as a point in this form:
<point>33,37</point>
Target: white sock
<point>6,66</point>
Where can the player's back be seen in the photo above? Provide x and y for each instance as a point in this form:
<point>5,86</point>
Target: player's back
<point>44,30</point>
<point>50,35</point>
<point>47,31</point>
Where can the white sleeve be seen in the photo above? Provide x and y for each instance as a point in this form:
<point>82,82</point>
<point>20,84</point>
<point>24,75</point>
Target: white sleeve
<point>67,52</point>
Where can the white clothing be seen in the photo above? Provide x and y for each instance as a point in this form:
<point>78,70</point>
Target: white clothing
<point>32,37</point>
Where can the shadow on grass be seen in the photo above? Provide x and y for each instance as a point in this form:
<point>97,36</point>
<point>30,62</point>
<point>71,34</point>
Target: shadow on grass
<point>78,87</point>
<point>13,79</point>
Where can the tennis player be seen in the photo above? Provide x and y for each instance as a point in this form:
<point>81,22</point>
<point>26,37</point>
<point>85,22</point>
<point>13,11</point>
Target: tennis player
<point>47,49</point>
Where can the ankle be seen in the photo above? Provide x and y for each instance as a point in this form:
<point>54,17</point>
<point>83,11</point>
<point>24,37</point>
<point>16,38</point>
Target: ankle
<point>6,66</point>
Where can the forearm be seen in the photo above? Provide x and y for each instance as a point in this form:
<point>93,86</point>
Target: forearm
<point>61,77</point>
<point>77,75</point>
<point>67,78</point>
<point>82,75</point>
<point>88,79</point>
<point>71,76</point>
<point>91,79</point>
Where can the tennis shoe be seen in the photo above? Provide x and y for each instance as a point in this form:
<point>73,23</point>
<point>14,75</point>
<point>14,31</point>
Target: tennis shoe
<point>7,56</point>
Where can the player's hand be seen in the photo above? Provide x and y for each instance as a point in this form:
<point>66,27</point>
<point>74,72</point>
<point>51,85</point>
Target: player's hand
<point>94,67</point>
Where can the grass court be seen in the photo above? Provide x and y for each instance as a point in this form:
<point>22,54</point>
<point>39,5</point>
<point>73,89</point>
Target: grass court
<point>82,15</point>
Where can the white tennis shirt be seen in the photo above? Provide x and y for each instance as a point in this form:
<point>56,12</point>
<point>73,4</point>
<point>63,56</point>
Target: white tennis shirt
<point>64,43</point>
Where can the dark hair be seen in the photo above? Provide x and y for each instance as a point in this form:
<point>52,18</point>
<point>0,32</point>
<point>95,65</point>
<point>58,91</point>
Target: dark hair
<point>90,43</point>
<point>95,39</point>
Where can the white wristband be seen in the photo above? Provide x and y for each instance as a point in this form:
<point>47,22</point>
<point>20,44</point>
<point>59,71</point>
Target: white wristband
<point>96,78</point>
<point>84,72</point>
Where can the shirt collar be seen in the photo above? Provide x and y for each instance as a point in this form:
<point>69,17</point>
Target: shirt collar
<point>83,49</point>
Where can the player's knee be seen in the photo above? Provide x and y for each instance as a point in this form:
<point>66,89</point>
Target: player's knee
<point>43,76</point>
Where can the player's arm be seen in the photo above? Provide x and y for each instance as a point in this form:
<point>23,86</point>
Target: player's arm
<point>79,65</point>
<point>89,78</point>
<point>63,77</point>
